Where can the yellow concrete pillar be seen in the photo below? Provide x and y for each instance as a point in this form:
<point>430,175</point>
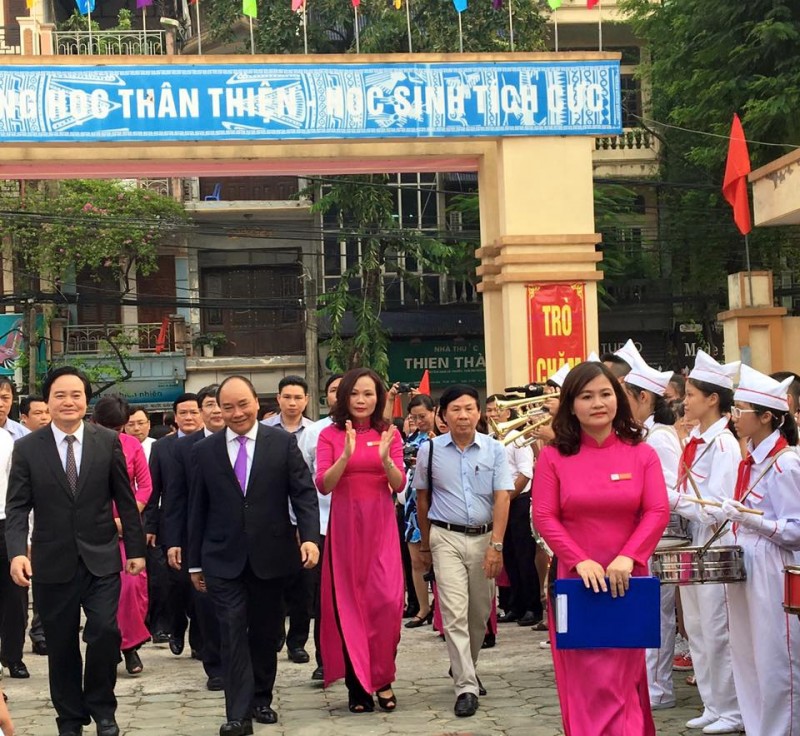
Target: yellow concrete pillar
<point>537,225</point>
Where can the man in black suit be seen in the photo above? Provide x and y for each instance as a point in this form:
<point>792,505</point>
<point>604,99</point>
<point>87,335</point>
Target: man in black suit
<point>171,609</point>
<point>69,474</point>
<point>175,509</point>
<point>242,545</point>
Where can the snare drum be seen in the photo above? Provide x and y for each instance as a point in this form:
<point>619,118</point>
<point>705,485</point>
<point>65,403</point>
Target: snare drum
<point>791,589</point>
<point>685,565</point>
<point>676,534</point>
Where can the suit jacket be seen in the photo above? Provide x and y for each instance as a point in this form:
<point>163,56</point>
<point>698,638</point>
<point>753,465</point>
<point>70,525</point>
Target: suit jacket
<point>175,502</point>
<point>228,529</point>
<point>162,466</point>
<point>70,527</point>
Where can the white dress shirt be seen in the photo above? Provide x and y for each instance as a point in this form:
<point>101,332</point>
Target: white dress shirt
<point>307,441</point>
<point>6,450</point>
<point>520,462</point>
<point>15,429</point>
<point>62,444</point>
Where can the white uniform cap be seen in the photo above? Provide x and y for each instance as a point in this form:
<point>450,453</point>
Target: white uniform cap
<point>593,357</point>
<point>760,390</point>
<point>643,376</point>
<point>707,369</point>
<point>629,354</point>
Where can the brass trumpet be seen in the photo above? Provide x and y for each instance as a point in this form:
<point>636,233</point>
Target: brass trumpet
<point>531,403</point>
<point>526,436</point>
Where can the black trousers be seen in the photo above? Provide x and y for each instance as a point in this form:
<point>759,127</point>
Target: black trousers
<point>250,614</point>
<point>207,623</point>
<point>405,555</point>
<point>519,555</point>
<point>81,691</point>
<point>36,632</point>
<point>179,610</point>
<point>157,591</point>
<point>297,597</point>
<point>13,608</point>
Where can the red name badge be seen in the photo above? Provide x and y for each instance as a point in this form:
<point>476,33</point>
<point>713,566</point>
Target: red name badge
<point>621,476</point>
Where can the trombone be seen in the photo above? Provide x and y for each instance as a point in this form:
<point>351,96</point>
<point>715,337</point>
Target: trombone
<point>529,405</point>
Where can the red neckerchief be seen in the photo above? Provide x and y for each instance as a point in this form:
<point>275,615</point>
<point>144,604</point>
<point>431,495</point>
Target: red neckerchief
<point>687,460</point>
<point>743,476</point>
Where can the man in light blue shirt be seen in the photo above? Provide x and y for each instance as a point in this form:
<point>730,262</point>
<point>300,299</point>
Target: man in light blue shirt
<point>462,519</point>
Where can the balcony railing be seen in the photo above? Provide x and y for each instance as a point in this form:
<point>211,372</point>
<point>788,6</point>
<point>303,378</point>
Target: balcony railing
<point>141,338</point>
<point>632,139</point>
<point>9,40</point>
<point>110,43</point>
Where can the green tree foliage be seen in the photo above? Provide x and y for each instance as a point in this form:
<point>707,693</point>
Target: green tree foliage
<point>709,59</point>
<point>61,229</point>
<point>434,26</point>
<point>364,207</point>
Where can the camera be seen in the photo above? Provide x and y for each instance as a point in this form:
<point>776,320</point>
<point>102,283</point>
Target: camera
<point>410,454</point>
<point>405,388</point>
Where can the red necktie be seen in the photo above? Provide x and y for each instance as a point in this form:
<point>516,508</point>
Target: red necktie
<point>743,476</point>
<point>687,459</point>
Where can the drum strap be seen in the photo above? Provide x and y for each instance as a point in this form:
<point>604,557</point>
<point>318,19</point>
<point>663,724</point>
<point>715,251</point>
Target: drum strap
<point>685,473</point>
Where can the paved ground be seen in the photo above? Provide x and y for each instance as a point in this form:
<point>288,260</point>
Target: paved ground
<point>169,698</point>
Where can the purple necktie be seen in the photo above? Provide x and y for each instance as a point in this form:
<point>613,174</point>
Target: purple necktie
<point>240,466</point>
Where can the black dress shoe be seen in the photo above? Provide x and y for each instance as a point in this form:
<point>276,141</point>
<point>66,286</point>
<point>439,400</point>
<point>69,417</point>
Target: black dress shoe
<point>489,641</point>
<point>160,637</point>
<point>215,684</point>
<point>529,619</point>
<point>410,611</point>
<point>236,728</point>
<point>176,645</point>
<point>18,671</point>
<point>39,647</point>
<point>466,705</point>
<point>298,655</point>
<point>107,727</point>
<point>264,714</point>
<point>318,674</point>
<point>508,618</point>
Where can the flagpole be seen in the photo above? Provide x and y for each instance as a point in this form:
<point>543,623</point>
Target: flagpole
<point>358,34</point>
<point>510,25</point>
<point>252,40</point>
<point>747,263</point>
<point>460,34</point>
<point>305,29</point>
<point>199,34</point>
<point>555,23</point>
<point>91,42</point>
<point>600,27</point>
<point>408,25</point>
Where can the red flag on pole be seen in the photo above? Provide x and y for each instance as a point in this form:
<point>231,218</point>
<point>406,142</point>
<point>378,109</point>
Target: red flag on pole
<point>591,3</point>
<point>163,333</point>
<point>425,384</point>
<point>397,409</point>
<point>734,186</point>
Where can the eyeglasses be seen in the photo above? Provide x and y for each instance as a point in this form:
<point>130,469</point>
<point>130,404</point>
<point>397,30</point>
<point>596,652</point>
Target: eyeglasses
<point>736,412</point>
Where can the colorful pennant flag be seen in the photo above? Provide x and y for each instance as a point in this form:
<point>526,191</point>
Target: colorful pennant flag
<point>250,8</point>
<point>356,3</point>
<point>143,4</point>
<point>163,334</point>
<point>192,2</point>
<point>734,186</point>
<point>460,5</point>
<point>85,6</point>
<point>398,4</point>
<point>497,4</point>
<point>29,4</point>
<point>397,407</point>
<point>554,4</point>
<point>298,5</point>
<point>425,384</point>
<point>590,3</point>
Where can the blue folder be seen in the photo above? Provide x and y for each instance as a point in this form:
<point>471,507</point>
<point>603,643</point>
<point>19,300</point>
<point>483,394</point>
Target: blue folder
<point>589,620</point>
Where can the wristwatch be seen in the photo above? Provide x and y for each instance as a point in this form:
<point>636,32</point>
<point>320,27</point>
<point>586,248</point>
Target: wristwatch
<point>496,546</point>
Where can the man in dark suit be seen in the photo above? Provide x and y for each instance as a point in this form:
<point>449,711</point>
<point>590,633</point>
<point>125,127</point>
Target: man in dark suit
<point>242,545</point>
<point>171,605</point>
<point>69,474</point>
<point>175,510</point>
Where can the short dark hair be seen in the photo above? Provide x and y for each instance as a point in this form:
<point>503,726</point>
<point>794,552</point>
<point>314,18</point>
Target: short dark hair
<point>182,399</point>
<point>451,393</point>
<point>144,411</point>
<point>66,370</point>
<point>267,406</point>
<point>333,377</point>
<point>205,392</point>
<point>293,381</point>
<point>420,400</point>
<point>619,366</point>
<point>725,394</point>
<point>6,381</point>
<point>494,398</point>
<point>246,380</point>
<point>26,401</point>
<point>340,412</point>
<point>566,426</point>
<point>112,411</point>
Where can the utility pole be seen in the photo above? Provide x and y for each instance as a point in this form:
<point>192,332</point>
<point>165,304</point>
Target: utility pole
<point>312,334</point>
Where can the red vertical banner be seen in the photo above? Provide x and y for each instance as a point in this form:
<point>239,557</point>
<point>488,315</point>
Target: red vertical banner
<point>556,327</point>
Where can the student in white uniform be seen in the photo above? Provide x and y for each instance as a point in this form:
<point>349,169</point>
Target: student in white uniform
<point>711,460</point>
<point>765,640</point>
<point>645,387</point>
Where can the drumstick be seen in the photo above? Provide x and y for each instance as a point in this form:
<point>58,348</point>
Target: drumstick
<point>707,502</point>
<point>691,480</point>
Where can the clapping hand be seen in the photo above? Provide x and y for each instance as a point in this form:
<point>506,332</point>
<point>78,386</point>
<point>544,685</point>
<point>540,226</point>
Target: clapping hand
<point>386,443</point>
<point>349,440</point>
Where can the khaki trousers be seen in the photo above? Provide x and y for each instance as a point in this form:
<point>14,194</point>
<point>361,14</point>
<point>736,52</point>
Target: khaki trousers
<point>465,599</point>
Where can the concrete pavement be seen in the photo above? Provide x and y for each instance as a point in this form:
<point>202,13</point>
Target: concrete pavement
<point>170,699</point>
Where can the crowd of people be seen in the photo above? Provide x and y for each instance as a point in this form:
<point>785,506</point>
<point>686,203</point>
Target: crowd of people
<point>245,516</point>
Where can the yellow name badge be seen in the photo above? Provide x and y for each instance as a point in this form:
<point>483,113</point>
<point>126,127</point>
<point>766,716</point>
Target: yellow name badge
<point>621,476</point>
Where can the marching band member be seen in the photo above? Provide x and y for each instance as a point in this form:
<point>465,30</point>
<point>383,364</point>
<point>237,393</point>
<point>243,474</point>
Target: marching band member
<point>709,462</point>
<point>765,640</point>
<point>645,387</point>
